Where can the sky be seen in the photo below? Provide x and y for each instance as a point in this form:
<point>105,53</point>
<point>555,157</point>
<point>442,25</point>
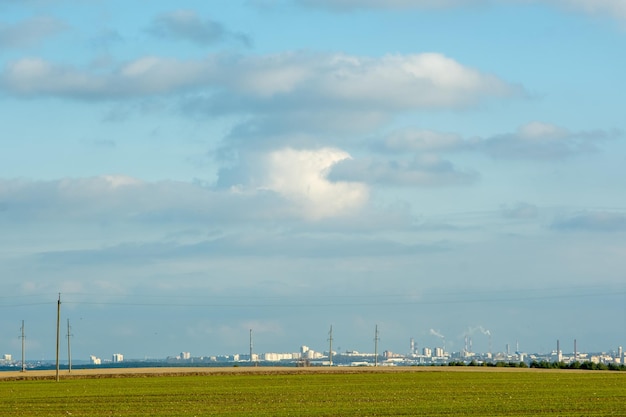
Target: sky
<point>181,173</point>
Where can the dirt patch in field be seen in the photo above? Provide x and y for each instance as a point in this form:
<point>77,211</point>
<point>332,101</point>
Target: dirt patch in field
<point>261,370</point>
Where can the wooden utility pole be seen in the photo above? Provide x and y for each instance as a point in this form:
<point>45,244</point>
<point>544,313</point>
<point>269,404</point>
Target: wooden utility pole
<point>58,334</point>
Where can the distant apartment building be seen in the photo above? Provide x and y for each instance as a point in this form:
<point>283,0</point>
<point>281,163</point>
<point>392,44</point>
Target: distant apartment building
<point>185,355</point>
<point>95,360</point>
<point>118,357</point>
<point>276,357</point>
<point>7,357</point>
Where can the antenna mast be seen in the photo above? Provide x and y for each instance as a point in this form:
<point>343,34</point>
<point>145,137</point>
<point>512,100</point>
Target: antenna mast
<point>376,338</point>
<point>23,337</point>
<point>330,348</point>
<point>69,350</point>
<point>250,345</point>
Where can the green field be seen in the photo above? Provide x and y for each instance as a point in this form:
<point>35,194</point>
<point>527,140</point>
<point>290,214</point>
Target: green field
<point>426,393</point>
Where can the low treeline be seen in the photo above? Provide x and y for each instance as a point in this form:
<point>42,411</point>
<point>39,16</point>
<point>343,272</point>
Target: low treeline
<point>587,365</point>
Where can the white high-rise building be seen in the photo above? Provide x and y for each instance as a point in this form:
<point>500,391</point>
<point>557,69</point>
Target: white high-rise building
<point>118,357</point>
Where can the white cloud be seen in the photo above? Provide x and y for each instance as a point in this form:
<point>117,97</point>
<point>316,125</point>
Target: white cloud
<point>421,170</point>
<point>538,140</point>
<point>541,131</point>
<point>285,184</point>
<point>144,76</point>
<point>121,198</point>
<point>534,140</point>
<point>298,80</point>
<point>408,81</point>
<point>418,140</point>
<point>301,176</point>
<point>188,25</point>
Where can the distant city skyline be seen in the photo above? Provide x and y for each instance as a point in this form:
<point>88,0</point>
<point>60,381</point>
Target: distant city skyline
<point>88,340</point>
<point>182,173</point>
<point>305,356</point>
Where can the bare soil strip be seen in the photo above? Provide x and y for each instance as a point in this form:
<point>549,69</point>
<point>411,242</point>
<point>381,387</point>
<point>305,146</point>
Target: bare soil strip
<point>261,370</point>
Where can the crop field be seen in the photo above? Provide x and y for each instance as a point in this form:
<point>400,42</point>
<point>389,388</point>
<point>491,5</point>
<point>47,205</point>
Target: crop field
<point>425,392</point>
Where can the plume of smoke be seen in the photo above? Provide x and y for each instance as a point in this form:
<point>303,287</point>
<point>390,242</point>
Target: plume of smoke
<point>436,333</point>
<point>481,329</point>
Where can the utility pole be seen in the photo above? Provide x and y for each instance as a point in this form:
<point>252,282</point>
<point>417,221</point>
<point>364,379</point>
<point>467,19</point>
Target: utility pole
<point>330,348</point>
<point>69,349</point>
<point>376,338</point>
<point>23,337</point>
<point>58,334</point>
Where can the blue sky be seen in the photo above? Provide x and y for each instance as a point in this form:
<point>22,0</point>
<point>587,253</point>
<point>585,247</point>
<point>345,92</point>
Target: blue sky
<point>184,173</point>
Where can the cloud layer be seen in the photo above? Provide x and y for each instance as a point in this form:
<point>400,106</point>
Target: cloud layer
<point>284,183</point>
<point>534,141</point>
<point>187,25</point>
<point>611,8</point>
<point>29,32</point>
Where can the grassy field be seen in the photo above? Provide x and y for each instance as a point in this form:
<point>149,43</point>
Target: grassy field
<point>340,393</point>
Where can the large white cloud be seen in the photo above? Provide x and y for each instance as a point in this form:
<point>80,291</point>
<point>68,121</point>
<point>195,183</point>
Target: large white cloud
<point>232,83</point>
<point>301,176</point>
<point>284,184</point>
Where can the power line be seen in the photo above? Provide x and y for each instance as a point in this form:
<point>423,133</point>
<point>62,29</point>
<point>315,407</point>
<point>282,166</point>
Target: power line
<point>339,303</point>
